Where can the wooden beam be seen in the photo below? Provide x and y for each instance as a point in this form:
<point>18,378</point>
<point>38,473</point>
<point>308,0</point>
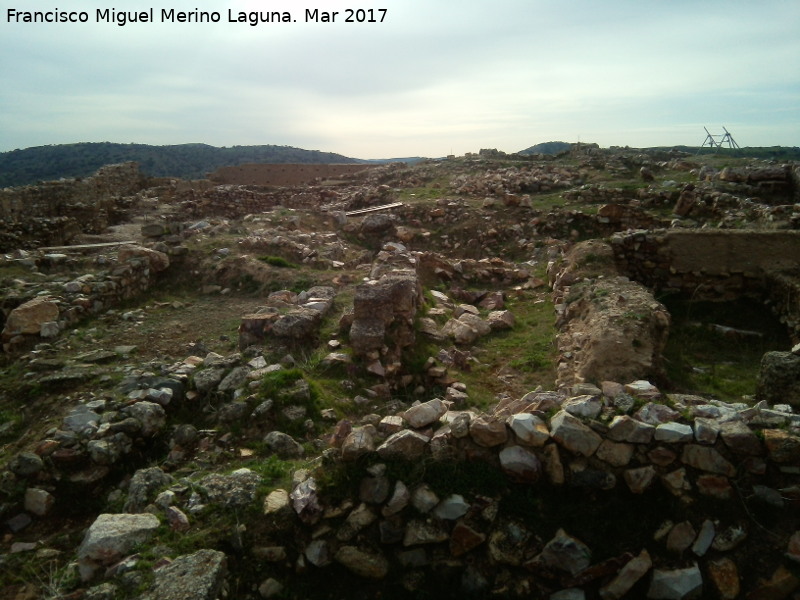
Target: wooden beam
<point>361,211</point>
<point>87,246</point>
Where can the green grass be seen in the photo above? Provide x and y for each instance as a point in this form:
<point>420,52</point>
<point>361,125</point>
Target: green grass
<point>526,353</point>
<point>277,261</point>
<point>702,360</point>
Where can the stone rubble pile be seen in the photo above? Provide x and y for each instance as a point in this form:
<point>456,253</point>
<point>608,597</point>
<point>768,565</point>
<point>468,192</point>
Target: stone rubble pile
<point>289,318</point>
<point>517,180</point>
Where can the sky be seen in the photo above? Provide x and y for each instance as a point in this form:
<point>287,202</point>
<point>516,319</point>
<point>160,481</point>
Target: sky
<point>436,77</point>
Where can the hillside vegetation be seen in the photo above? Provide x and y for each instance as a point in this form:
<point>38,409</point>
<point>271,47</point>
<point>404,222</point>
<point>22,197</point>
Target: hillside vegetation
<point>186,161</point>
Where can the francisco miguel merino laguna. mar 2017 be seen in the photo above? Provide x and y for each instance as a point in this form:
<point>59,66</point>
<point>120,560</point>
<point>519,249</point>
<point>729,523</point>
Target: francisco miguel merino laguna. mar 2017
<point>170,15</point>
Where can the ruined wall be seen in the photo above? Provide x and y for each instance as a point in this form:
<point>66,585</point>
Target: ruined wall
<point>717,265</point>
<point>281,175</point>
<point>131,274</point>
<point>55,211</point>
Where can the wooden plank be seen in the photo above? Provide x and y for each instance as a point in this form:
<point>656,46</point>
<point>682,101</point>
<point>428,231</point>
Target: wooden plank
<point>361,211</point>
<point>87,246</point>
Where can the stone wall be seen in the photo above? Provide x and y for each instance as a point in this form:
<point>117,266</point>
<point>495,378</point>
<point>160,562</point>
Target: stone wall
<point>53,212</point>
<point>717,265</point>
<point>281,175</point>
<point>45,311</point>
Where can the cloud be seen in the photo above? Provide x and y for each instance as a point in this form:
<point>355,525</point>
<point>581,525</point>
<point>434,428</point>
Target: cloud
<point>436,76</point>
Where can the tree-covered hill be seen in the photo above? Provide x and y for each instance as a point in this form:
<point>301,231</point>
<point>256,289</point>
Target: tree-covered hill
<point>552,148</point>
<point>188,161</point>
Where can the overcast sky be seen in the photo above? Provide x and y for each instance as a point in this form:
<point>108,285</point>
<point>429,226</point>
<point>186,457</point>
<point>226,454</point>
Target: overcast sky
<point>436,77</point>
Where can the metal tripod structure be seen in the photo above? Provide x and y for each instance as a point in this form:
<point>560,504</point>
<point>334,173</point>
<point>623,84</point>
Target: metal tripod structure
<point>716,141</point>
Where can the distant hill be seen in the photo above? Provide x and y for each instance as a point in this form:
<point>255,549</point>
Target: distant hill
<point>187,161</point>
<point>551,148</point>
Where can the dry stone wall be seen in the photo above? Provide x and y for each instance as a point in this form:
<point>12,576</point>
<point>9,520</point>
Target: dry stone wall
<point>46,310</point>
<point>717,265</point>
<point>54,211</point>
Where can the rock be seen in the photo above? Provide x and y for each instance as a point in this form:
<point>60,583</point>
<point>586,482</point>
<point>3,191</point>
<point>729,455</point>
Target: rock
<point>283,445</point>
<point>615,454</point>
<point>573,435</point>
<point>318,553</point>
<point>111,537</point>
<point>459,425</point>
<point>529,429</point>
<point>196,576</point>
<point>677,481</point>
<point>626,429</point>
<point>426,413</point>
<point>655,414</point>
<point>237,378</point>
<point>104,591</point>
<point>583,406</point>
<point>150,415</point>
<point>569,594</point>
<point>487,431</point>
<point>643,389</point>
<point>460,332</point>
<point>306,502</point>
<point>177,519</point>
<point>357,444</point>
<point>729,538</point>
<point>234,490</point>
<point>500,320</point>
<point>374,489</point>
<point>566,553</point>
<point>358,519</point>
<point>704,538</point>
<point>778,587</point>
<point>793,547</point>
<point>399,500</point>
<point>143,487</point>
<point>424,498</point>
<point>725,577</point>
<point>81,418</point>
<point>740,439</point>
<point>508,543</point>
<point>706,459</point>
<point>26,464</point>
<point>520,464</point>
<point>206,380</point>
<point>782,446</point>
<point>681,537</point>
<point>364,564</point>
<point>553,466</point>
<point>479,325</point>
<point>270,588</point>
<point>706,431</point>
<point>628,576</point>
<point>779,378</point>
<point>39,502</point>
<point>451,508</point>
<point>404,444</point>
<point>677,584</point>
<point>674,433</point>
<point>27,318</point>
<point>464,538</point>
<point>277,503</point>
<point>715,486</point>
<point>158,260</point>
<point>639,480</point>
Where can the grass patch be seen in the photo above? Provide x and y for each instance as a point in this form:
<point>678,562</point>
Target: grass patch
<point>518,360</point>
<point>700,358</point>
<point>277,261</point>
